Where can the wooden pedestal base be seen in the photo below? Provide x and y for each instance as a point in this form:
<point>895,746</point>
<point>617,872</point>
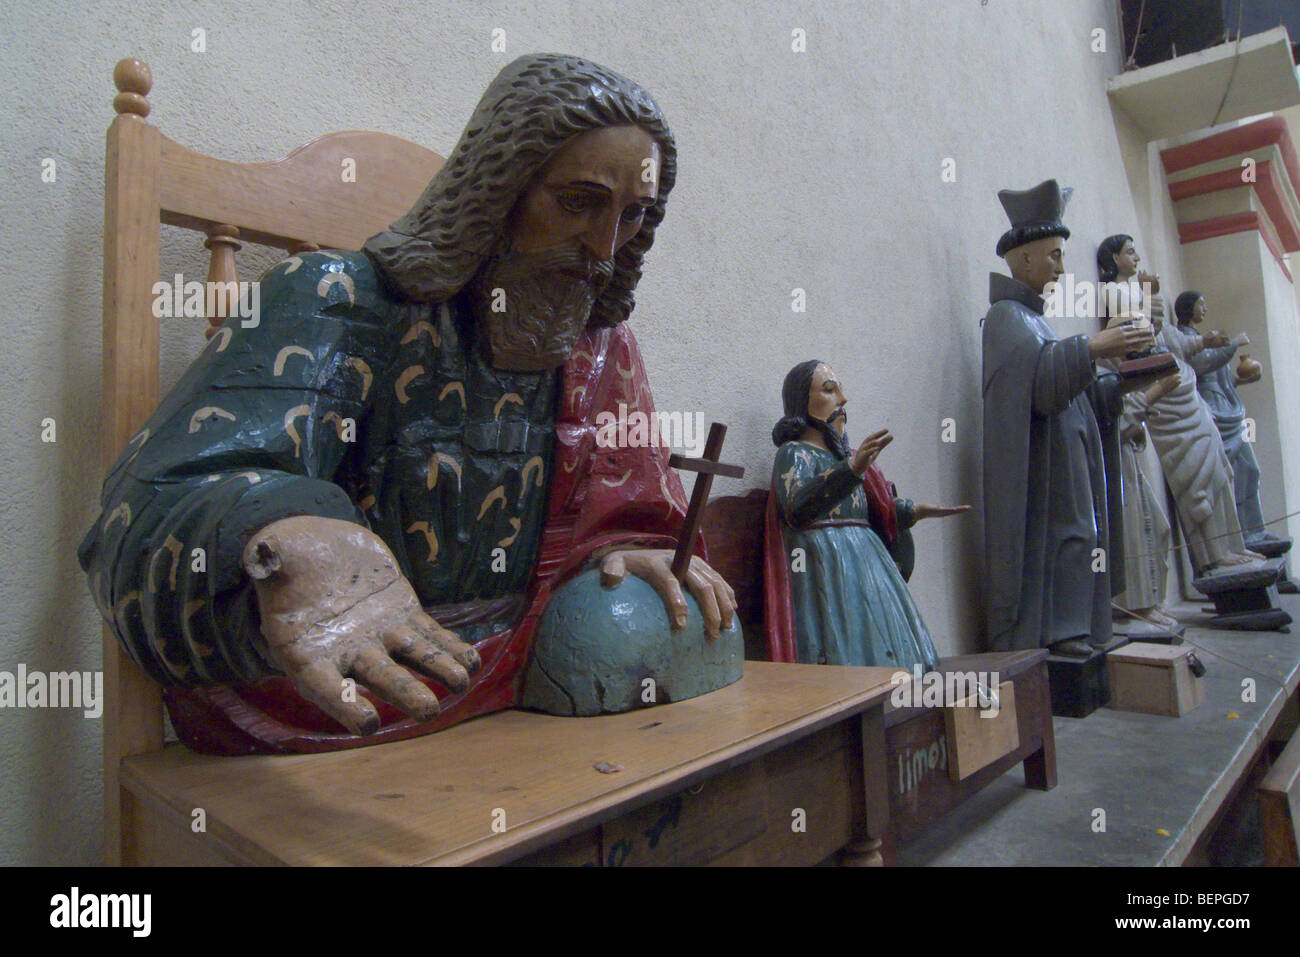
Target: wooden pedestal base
<point>1079,685</point>
<point>1245,599</point>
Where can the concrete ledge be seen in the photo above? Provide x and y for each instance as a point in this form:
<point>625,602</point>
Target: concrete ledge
<point>1169,98</point>
<point>1148,774</point>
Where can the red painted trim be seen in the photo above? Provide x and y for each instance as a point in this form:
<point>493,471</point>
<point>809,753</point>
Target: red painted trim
<point>1271,131</point>
<point>1267,187</point>
<point>1209,183</point>
<point>1218,226</point>
<point>1227,225</point>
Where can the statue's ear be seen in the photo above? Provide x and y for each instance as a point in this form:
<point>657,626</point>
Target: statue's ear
<point>261,559</point>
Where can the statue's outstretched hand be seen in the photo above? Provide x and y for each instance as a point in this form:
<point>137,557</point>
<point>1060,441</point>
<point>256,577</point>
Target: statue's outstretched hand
<point>333,606</point>
<point>714,596</point>
<point>938,511</point>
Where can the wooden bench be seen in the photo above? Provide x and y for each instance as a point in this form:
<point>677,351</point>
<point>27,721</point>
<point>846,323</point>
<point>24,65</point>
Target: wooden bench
<point>784,766</point>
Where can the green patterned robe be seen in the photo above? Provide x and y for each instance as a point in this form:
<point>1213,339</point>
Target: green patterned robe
<point>341,395</point>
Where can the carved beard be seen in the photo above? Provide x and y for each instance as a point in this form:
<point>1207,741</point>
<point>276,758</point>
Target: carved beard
<point>836,442</point>
<point>534,306</point>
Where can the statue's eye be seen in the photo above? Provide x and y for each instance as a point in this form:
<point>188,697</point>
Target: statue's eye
<point>575,201</point>
<point>634,213</point>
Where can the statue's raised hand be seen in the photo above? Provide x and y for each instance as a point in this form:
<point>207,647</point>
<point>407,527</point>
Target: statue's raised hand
<point>866,453</point>
<point>333,606</point>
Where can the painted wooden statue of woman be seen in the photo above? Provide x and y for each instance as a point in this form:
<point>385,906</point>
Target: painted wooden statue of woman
<point>1191,452</point>
<point>1141,610</point>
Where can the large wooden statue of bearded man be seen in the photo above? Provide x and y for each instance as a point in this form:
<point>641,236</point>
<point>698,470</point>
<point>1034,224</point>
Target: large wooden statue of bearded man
<point>395,473</point>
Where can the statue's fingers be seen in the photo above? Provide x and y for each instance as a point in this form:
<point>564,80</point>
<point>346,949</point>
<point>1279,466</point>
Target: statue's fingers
<point>322,684</point>
<point>447,641</point>
<point>390,681</point>
<point>612,570</point>
<point>726,601</point>
<point>670,590</point>
<point>429,656</point>
<point>871,440</point>
<point>706,598</point>
<point>725,594</point>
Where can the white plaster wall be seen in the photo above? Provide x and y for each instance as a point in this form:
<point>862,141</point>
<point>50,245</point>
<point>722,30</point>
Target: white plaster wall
<point>1283,491</point>
<point>818,170</point>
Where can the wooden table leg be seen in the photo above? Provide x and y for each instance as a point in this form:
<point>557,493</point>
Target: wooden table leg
<point>874,848</point>
<point>1040,767</point>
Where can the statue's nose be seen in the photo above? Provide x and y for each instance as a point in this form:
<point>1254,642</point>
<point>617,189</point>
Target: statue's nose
<point>601,239</point>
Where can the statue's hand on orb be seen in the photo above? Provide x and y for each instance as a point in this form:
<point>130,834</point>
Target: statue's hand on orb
<point>333,606</point>
<point>654,565</point>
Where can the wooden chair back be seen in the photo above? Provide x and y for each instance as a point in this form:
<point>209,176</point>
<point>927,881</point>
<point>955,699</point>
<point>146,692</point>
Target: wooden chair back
<point>332,193</point>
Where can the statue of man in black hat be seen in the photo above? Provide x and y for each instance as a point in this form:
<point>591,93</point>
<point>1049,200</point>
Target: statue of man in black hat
<point>1051,478</point>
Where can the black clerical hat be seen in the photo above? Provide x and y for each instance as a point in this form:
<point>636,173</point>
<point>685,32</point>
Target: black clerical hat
<point>1034,213</point>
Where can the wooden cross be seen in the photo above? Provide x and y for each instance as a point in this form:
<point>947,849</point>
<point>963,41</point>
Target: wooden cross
<point>707,467</point>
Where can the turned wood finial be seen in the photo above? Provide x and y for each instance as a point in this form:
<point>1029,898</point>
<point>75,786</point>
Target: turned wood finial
<point>223,240</point>
<point>133,80</point>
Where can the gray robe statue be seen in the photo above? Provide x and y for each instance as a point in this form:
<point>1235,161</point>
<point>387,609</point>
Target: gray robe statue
<point>1216,382</point>
<point>1051,479</point>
